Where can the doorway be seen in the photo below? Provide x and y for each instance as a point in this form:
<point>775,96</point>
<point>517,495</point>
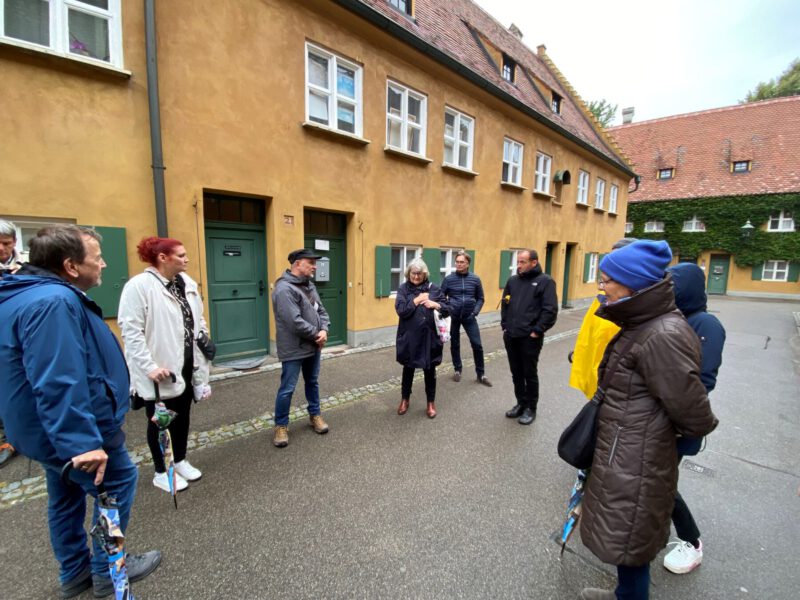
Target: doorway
<point>326,234</point>
<point>549,257</point>
<point>570,251</point>
<point>718,273</point>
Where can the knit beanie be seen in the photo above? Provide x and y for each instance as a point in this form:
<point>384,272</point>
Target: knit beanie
<point>639,264</point>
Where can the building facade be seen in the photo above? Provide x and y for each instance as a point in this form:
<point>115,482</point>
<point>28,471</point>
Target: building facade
<point>722,187</point>
<point>372,131</point>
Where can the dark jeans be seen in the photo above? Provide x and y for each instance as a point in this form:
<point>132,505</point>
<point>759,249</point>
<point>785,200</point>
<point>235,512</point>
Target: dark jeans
<point>290,373</point>
<point>634,582</point>
<point>685,526</point>
<point>474,334</point>
<point>430,383</point>
<point>66,512</point>
<point>523,359</point>
<point>178,429</point>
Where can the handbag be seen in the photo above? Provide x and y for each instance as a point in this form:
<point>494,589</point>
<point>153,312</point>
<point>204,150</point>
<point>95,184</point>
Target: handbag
<point>442,326</point>
<point>577,442</point>
<point>206,346</point>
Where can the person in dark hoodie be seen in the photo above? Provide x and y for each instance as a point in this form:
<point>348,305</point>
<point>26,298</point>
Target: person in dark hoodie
<point>689,283</point>
<point>65,395</point>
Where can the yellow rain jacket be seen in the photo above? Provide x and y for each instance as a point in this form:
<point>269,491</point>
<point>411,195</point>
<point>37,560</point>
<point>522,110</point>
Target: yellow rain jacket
<point>593,337</point>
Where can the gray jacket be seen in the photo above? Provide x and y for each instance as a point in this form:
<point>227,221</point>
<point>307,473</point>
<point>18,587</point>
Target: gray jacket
<point>299,316</point>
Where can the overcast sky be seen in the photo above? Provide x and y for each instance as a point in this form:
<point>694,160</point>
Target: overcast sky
<point>662,58</point>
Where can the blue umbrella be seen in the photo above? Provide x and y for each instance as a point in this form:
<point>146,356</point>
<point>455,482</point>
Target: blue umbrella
<point>574,508</point>
<point>162,418</point>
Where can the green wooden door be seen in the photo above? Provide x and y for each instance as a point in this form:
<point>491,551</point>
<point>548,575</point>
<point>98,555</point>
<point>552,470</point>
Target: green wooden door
<point>567,268</point>
<point>331,282</point>
<point>549,256</point>
<point>718,273</point>
<point>237,290</point>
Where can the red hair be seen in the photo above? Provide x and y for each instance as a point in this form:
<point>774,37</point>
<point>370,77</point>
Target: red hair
<point>150,247</point>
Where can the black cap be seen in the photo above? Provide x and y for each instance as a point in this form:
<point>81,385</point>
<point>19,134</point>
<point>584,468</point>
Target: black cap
<point>302,253</point>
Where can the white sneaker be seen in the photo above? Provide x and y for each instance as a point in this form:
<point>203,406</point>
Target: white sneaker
<point>187,471</point>
<point>683,558</point>
<point>162,482</point>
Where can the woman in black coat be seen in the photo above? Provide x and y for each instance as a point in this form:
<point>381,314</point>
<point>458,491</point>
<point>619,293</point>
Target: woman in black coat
<point>418,343</point>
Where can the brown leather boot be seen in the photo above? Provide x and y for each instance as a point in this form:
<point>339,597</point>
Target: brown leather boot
<point>318,423</point>
<point>431,410</point>
<point>403,408</point>
<point>281,439</point>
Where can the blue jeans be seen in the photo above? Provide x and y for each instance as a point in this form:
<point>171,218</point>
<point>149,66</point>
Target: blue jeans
<point>66,511</point>
<point>290,373</point>
<point>474,334</point>
<point>634,582</point>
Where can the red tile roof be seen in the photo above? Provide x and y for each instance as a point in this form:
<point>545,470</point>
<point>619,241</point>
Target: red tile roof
<point>701,146</point>
<point>455,26</point>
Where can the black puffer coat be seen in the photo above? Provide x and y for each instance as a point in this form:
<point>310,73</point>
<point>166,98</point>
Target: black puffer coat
<point>654,393</point>
<point>418,343</point>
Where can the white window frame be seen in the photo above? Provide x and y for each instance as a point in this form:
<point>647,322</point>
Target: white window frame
<point>455,141</point>
<point>613,195</point>
<point>694,225</point>
<point>58,30</point>
<point>663,174</point>
<point>405,9</point>
<point>583,187</point>
<point>654,227</point>
<point>594,261</point>
<point>544,165</point>
<point>735,166</point>
<point>513,266</point>
<point>778,270</point>
<point>599,193</point>
<point>26,227</point>
<point>629,227</point>
<point>780,222</point>
<point>449,254</point>
<point>332,93</point>
<point>403,250</point>
<point>514,167</point>
<point>403,118</point>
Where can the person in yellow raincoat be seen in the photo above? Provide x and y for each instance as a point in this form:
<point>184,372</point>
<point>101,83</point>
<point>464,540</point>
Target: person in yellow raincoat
<point>593,337</point>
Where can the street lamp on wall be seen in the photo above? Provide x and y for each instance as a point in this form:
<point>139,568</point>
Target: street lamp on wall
<point>747,230</point>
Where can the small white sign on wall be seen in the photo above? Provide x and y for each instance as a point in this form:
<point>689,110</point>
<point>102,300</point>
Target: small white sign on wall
<point>322,245</point>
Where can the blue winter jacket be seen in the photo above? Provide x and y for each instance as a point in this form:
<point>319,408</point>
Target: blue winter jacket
<point>464,294</point>
<point>65,385</point>
<point>689,283</point>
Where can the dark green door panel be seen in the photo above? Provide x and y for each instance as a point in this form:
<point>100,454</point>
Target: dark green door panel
<point>334,291</point>
<point>718,273</point>
<point>115,275</point>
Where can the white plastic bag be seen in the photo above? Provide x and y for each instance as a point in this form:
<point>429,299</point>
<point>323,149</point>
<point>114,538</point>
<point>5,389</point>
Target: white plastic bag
<point>442,326</point>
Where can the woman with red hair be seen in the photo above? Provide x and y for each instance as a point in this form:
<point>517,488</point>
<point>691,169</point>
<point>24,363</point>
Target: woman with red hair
<point>161,319</point>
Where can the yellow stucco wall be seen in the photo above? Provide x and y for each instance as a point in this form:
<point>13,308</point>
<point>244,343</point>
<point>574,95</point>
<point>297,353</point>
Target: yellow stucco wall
<point>740,279</point>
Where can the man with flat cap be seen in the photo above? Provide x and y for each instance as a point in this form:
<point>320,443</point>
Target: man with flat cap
<point>301,323</point>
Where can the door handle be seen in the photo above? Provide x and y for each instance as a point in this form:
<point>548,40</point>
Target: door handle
<point>235,292</point>
<point>261,288</point>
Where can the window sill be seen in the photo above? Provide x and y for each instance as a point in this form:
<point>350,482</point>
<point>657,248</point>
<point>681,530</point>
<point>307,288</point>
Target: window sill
<point>63,59</point>
<point>612,214</point>
<point>459,170</point>
<point>334,133</point>
<point>512,186</point>
<point>781,230</point>
<point>596,209</point>
<point>582,205</point>
<point>545,195</point>
<point>409,155</point>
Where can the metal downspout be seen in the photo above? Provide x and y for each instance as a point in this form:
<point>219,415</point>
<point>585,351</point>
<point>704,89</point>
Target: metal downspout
<point>155,117</point>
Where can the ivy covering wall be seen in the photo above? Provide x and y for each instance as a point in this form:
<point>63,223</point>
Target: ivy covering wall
<point>723,218</point>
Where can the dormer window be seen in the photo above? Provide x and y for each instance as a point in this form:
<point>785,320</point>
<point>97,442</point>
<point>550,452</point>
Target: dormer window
<point>555,103</point>
<point>509,68</point>
<point>740,166</point>
<point>665,173</point>
<point>404,6</point>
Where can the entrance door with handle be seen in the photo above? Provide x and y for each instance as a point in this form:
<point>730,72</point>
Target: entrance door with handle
<point>718,273</point>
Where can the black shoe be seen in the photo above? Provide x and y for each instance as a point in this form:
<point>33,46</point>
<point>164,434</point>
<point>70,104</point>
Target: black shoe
<point>484,381</point>
<point>514,412</point>
<point>527,417</point>
<point>82,582</point>
<point>457,376</point>
<point>139,566</point>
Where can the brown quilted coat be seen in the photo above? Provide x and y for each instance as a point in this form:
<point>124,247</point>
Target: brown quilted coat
<point>654,393</point>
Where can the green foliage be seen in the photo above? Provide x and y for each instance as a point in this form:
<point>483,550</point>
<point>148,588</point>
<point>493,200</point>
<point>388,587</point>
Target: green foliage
<point>788,84</point>
<point>603,111</point>
<point>723,218</point>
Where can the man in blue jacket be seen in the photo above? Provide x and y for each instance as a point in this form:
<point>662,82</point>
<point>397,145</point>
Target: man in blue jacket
<point>65,396</point>
<point>464,293</point>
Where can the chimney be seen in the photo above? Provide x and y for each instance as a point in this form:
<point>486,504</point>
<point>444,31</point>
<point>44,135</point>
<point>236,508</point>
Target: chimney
<point>541,50</point>
<point>515,31</point>
<point>627,115</point>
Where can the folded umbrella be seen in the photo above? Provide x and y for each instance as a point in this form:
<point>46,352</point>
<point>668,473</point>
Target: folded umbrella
<point>573,508</point>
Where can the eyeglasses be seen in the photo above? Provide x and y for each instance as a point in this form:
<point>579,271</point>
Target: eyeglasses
<point>415,274</point>
<point>604,282</point>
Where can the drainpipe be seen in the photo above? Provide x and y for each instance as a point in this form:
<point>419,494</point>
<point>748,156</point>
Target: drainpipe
<point>155,117</point>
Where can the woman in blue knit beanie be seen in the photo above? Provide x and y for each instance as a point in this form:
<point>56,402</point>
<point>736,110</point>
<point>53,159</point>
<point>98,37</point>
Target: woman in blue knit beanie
<point>638,265</point>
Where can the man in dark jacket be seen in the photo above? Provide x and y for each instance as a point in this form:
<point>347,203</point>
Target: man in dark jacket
<point>65,396</point>
<point>301,324</point>
<point>464,293</point>
<point>529,308</point>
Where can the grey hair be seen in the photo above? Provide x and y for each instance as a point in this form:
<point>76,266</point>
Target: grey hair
<point>7,229</point>
<point>465,255</point>
<point>56,243</point>
<point>419,265</point>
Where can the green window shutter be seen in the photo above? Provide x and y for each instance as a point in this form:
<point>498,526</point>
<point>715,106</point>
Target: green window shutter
<point>433,258</point>
<point>505,261</point>
<point>472,259</point>
<point>115,253</point>
<point>383,271</point>
<point>794,271</point>
<point>587,264</point>
<point>758,271</point>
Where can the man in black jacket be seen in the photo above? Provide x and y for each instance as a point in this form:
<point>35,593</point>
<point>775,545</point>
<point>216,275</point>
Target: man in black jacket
<point>464,292</point>
<point>529,308</point>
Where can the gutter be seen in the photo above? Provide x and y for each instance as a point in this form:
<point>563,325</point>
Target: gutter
<point>155,117</point>
<point>375,18</point>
